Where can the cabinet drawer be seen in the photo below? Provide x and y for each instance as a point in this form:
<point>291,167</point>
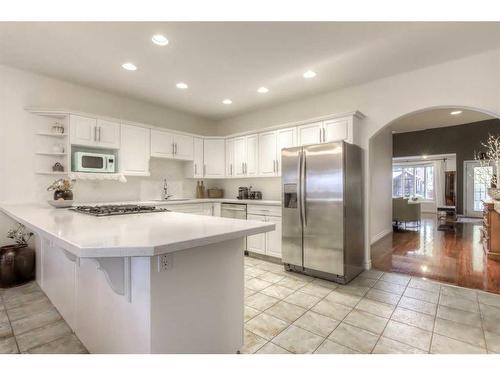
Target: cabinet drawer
<point>260,209</point>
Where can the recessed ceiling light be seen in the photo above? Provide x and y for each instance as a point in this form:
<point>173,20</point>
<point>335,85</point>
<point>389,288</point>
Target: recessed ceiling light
<point>454,113</point>
<point>182,85</point>
<point>262,90</point>
<point>309,74</point>
<point>129,66</point>
<point>227,101</point>
<point>159,39</point>
<point>424,156</point>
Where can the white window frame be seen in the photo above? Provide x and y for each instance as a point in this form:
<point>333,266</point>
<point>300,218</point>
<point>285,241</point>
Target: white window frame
<point>414,165</point>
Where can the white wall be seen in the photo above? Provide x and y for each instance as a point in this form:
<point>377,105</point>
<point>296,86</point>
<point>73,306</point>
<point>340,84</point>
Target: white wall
<point>381,185</point>
<point>472,82</point>
<point>269,186</point>
<point>18,183</point>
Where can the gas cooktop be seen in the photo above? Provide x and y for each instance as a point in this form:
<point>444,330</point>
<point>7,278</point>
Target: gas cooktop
<point>116,209</point>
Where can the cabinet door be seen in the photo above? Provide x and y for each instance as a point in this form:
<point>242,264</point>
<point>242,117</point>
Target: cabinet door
<point>257,242</point>
<point>252,163</point>
<point>214,158</point>
<point>82,130</point>
<point>267,154</point>
<point>309,134</point>
<point>229,158</point>
<point>198,158</point>
<point>285,138</point>
<point>240,156</point>
<point>273,239</point>
<point>183,147</point>
<point>162,144</point>
<point>134,150</point>
<point>335,130</point>
<point>108,134</point>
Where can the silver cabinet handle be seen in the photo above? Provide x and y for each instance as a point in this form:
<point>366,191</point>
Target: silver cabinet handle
<point>173,149</point>
<point>319,135</point>
<point>324,135</point>
<point>204,169</point>
<point>95,133</point>
<point>99,134</point>
<point>231,169</point>
<point>277,166</point>
<point>195,169</point>
<point>176,148</point>
<point>243,168</point>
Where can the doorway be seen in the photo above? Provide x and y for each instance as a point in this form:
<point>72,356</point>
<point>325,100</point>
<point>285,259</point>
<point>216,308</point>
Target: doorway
<point>477,180</point>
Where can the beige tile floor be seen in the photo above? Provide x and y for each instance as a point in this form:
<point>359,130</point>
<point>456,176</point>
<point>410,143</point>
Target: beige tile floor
<point>29,323</point>
<point>376,313</point>
<point>292,313</point>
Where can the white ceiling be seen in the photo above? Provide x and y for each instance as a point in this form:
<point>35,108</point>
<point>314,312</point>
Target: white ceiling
<point>436,118</point>
<point>232,59</point>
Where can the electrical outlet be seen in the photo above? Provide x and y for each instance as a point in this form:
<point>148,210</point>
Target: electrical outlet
<point>165,262</point>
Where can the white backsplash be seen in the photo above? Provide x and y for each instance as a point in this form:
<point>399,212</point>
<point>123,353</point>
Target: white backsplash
<point>269,186</point>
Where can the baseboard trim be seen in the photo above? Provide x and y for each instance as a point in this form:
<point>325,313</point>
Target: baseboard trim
<point>380,235</point>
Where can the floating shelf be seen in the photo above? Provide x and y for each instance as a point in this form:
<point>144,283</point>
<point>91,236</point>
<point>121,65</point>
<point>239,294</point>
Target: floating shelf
<point>52,153</point>
<point>46,134</point>
<point>52,173</point>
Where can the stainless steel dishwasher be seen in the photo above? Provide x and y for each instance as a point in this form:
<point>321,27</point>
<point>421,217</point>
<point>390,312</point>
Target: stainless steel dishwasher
<point>235,211</point>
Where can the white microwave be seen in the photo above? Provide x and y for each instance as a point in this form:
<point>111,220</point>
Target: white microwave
<point>94,162</point>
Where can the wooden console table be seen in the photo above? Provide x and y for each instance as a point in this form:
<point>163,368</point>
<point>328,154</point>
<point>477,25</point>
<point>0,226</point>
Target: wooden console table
<point>491,231</point>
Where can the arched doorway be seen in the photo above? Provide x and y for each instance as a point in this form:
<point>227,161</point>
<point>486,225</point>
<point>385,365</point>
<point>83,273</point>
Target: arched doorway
<point>423,146</point>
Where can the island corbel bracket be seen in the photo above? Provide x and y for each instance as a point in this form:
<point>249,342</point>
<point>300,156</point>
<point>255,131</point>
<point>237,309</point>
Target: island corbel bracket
<point>118,274</point>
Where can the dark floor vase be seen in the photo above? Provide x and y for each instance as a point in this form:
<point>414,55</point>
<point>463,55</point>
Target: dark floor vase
<point>17,265</point>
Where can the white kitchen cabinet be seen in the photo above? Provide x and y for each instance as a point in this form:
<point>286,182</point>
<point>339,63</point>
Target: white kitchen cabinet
<point>135,150</point>
<point>240,156</point>
<point>197,171</point>
<point>246,156</point>
<point>336,130</point>
<point>273,239</point>
<point>229,158</point>
<point>108,134</point>
<point>252,164</point>
<point>82,130</point>
<point>170,145</point>
<point>310,133</point>
<point>257,242</point>
<point>268,154</point>
<point>214,155</point>
<point>87,131</point>
<point>285,138</point>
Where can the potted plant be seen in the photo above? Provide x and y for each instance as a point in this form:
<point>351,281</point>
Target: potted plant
<point>490,157</point>
<point>17,261</point>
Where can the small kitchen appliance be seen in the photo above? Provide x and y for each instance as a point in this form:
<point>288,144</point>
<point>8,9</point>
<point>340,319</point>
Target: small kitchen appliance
<point>93,162</point>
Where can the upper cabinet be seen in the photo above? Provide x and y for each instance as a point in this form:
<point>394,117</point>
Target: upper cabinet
<point>270,146</point>
<point>285,138</point>
<point>229,158</point>
<point>246,156</point>
<point>310,134</point>
<point>134,151</point>
<point>88,131</point>
<point>335,130</point>
<point>214,155</point>
<point>171,145</point>
<point>197,169</point>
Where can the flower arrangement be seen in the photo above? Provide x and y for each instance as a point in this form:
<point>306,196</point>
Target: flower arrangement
<point>490,157</point>
<point>20,235</point>
<point>63,184</point>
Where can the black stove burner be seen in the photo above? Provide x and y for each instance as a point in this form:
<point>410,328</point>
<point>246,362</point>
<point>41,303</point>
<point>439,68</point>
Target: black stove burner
<point>114,209</point>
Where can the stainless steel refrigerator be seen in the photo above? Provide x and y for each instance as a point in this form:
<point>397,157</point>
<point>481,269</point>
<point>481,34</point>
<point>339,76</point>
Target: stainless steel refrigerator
<point>322,187</point>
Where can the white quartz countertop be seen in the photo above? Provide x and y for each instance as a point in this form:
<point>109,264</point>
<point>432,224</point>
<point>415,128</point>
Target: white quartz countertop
<point>209,200</point>
<point>129,235</point>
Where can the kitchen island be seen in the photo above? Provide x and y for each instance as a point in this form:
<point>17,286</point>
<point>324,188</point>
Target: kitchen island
<point>159,282</point>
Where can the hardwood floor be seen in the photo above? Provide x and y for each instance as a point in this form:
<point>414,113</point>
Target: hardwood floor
<point>456,258</point>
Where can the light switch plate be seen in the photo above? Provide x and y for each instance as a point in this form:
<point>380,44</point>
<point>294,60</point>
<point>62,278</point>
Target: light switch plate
<point>165,262</point>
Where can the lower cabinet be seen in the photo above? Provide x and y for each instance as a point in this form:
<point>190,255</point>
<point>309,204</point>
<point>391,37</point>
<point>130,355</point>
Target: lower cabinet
<point>265,243</point>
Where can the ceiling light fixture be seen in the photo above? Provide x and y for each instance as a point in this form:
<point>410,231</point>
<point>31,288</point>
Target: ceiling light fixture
<point>227,101</point>
<point>181,85</point>
<point>159,39</point>
<point>309,74</point>
<point>129,66</point>
<point>262,90</point>
<point>454,113</point>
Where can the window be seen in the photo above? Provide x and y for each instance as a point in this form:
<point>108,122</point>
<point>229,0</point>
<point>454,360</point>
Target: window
<point>482,180</point>
<point>415,180</point>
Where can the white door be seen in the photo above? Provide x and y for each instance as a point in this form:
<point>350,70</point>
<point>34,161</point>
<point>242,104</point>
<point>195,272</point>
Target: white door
<point>285,138</point>
<point>257,242</point>
<point>82,130</point>
<point>267,154</point>
<point>183,147</point>
<point>134,150</point>
<point>198,158</point>
<point>108,134</point>
<point>229,158</point>
<point>310,134</point>
<point>335,130</point>
<point>240,156</point>
<point>162,144</point>
<point>252,163</point>
<point>477,182</point>
<point>273,240</point>
<point>214,155</point>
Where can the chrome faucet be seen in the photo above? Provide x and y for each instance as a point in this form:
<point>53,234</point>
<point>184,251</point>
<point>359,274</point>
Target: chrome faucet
<point>165,194</point>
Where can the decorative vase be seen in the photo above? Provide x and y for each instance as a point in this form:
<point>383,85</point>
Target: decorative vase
<point>66,195</point>
<point>17,265</point>
<point>24,264</point>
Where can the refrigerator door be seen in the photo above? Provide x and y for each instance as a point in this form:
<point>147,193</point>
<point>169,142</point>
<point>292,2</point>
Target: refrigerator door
<point>324,208</point>
<point>292,223</point>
